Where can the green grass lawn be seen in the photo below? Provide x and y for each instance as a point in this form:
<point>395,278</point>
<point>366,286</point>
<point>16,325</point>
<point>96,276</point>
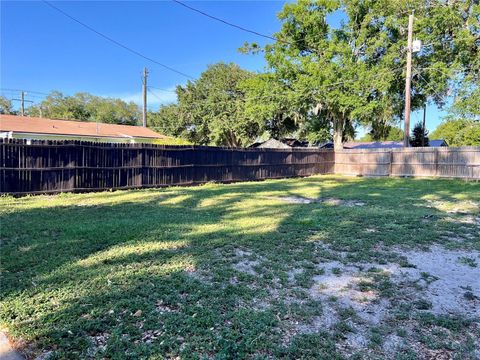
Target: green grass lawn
<point>227,271</point>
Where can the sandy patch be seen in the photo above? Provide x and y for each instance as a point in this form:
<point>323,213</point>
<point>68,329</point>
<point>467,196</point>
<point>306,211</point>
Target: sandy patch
<point>342,283</point>
<point>446,281</point>
<point>246,266</point>
<point>246,262</point>
<point>297,200</point>
<point>356,341</point>
<point>453,279</point>
<point>392,344</point>
<point>6,350</point>
<point>292,273</point>
<point>328,201</point>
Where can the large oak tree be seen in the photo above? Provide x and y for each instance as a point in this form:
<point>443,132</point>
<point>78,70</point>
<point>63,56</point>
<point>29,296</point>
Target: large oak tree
<point>354,73</point>
<point>211,109</point>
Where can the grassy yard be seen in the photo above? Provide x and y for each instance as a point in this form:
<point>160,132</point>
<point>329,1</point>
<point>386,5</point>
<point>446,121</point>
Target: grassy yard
<point>321,267</point>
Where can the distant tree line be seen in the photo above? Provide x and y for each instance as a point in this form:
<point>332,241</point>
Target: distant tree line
<point>81,106</point>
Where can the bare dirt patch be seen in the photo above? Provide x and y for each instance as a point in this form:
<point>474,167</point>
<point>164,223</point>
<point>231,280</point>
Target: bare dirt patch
<point>151,335</point>
<point>297,200</point>
<point>246,262</point>
<point>453,279</point>
<point>344,284</point>
<point>448,279</point>
<point>294,272</point>
<point>328,201</point>
<point>439,281</point>
<point>199,275</point>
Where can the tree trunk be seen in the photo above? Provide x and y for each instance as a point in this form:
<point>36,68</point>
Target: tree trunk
<point>338,134</point>
<point>232,140</point>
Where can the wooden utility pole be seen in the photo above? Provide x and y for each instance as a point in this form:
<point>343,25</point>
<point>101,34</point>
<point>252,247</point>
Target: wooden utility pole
<point>22,102</point>
<point>423,126</point>
<point>406,138</point>
<point>145,75</point>
<point>22,106</point>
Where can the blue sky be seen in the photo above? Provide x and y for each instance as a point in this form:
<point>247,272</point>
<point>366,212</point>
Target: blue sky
<point>42,50</point>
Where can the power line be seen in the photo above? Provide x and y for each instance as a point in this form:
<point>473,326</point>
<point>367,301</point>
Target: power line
<point>12,95</point>
<point>431,87</point>
<point>239,27</point>
<point>224,21</point>
<point>166,90</point>
<point>115,41</point>
<point>20,90</point>
<point>154,95</point>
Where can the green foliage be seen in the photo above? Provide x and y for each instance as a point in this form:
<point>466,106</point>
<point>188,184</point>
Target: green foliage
<point>171,141</point>
<point>6,106</point>
<point>87,107</point>
<point>322,75</point>
<point>458,132</point>
<point>395,134</point>
<point>451,61</point>
<point>274,108</point>
<point>317,130</point>
<point>467,102</point>
<point>419,136</point>
<point>385,133</point>
<point>352,74</point>
<point>211,110</point>
<point>167,120</point>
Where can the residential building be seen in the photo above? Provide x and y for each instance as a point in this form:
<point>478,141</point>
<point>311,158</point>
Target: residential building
<point>34,128</point>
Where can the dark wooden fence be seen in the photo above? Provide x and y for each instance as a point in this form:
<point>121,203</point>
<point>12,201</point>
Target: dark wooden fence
<point>446,162</point>
<point>57,166</point>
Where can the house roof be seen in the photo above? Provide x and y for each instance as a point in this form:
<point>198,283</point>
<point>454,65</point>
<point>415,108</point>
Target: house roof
<point>387,144</point>
<point>294,142</point>
<point>34,125</point>
<point>373,145</point>
<point>284,143</point>
<point>273,144</point>
<point>437,143</point>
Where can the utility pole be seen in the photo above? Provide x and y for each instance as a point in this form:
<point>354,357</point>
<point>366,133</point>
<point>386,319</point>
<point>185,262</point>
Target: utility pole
<point>22,97</point>
<point>22,102</point>
<point>406,138</point>
<point>423,127</point>
<point>145,75</point>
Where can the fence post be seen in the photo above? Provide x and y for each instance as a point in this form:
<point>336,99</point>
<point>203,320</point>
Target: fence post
<point>435,157</point>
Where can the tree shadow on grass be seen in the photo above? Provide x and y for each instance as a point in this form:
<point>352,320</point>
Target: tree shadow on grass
<point>74,277</point>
